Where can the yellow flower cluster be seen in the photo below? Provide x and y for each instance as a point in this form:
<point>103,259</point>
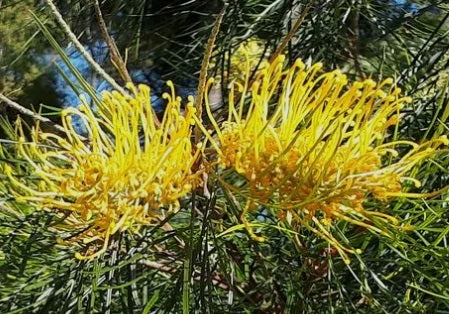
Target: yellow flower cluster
<point>119,177</point>
<point>311,146</point>
<point>247,55</point>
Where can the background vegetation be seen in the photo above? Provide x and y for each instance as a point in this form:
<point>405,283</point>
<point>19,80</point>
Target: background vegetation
<point>195,267</point>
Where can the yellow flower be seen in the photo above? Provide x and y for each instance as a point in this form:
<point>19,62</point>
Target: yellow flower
<point>247,55</point>
<point>312,147</point>
<point>127,173</point>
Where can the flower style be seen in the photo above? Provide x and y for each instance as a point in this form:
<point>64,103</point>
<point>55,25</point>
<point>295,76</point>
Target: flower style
<point>124,175</point>
<point>312,147</point>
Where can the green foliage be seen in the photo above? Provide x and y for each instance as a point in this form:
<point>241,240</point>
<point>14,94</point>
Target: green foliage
<point>205,261</point>
<point>24,73</point>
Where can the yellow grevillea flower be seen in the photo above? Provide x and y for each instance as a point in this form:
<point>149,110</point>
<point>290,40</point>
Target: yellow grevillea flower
<point>311,146</point>
<point>127,173</point>
<point>247,55</point>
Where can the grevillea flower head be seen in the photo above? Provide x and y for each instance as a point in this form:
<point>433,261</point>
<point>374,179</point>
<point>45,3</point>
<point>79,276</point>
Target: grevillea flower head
<point>127,173</point>
<point>249,54</point>
<point>311,146</point>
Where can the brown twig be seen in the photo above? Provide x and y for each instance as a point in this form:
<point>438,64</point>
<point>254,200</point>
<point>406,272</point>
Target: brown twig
<point>66,28</point>
<point>354,41</point>
<point>291,33</point>
<point>116,58</point>
<point>204,68</point>
<point>86,55</point>
<point>216,279</point>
